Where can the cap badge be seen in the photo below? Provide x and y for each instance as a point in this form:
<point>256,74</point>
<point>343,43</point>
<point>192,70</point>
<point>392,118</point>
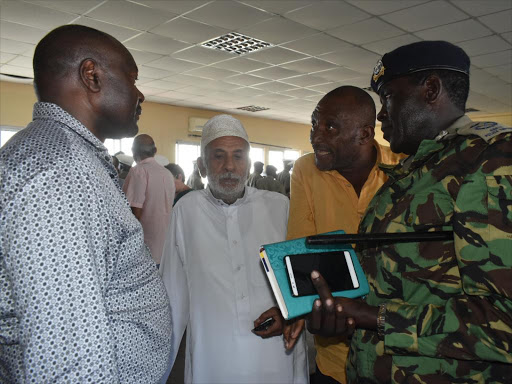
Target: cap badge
<point>378,71</point>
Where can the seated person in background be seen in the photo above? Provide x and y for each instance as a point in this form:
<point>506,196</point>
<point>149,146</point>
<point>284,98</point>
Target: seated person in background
<point>212,272</point>
<point>438,311</point>
<point>331,188</point>
<point>256,175</point>
<point>149,188</point>
<point>179,181</point>
<point>269,182</point>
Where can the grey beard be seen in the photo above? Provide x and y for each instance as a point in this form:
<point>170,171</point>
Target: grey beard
<point>228,195</point>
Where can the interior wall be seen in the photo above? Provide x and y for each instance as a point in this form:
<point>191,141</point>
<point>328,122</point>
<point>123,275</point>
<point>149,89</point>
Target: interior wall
<point>167,124</point>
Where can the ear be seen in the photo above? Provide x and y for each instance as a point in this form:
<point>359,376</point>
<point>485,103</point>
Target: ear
<point>180,178</point>
<point>366,134</point>
<point>433,88</point>
<point>89,75</point>
<point>201,166</point>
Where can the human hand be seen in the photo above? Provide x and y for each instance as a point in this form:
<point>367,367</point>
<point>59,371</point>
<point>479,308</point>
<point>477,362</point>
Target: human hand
<point>275,329</point>
<point>338,316</point>
<point>292,331</point>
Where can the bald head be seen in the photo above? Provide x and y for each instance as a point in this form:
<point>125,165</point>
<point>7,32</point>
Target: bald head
<point>143,147</point>
<point>354,101</point>
<point>59,54</point>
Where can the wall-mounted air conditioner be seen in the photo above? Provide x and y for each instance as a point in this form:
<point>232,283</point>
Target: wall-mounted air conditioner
<point>195,125</point>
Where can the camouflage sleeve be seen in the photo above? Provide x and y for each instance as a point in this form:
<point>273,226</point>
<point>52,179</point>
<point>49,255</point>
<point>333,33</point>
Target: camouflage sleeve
<point>476,324</point>
<point>300,221</point>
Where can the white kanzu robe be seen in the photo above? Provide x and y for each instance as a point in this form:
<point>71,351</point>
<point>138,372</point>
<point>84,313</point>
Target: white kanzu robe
<point>217,288</point>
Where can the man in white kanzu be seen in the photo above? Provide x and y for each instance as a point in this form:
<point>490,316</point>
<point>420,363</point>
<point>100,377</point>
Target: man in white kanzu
<point>213,275</point>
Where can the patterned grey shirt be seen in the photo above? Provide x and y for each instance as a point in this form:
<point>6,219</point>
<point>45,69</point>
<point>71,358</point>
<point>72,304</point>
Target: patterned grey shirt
<point>80,297</point>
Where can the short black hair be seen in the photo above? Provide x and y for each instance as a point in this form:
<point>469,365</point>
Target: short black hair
<point>176,170</point>
<point>455,83</point>
<point>63,49</point>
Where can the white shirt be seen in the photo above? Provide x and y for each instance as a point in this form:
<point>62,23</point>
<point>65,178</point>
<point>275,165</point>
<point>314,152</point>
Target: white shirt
<point>217,288</point>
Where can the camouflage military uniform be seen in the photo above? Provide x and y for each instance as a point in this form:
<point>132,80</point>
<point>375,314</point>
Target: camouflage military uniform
<point>449,304</point>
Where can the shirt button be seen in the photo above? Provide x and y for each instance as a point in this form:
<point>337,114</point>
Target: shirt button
<point>238,268</point>
<point>235,242</point>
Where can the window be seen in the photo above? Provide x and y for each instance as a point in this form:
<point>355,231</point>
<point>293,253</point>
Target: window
<point>275,158</point>
<point>6,132</point>
<point>256,154</point>
<point>116,145</point>
<point>290,154</point>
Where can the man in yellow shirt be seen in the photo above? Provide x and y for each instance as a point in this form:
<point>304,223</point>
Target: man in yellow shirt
<point>331,188</point>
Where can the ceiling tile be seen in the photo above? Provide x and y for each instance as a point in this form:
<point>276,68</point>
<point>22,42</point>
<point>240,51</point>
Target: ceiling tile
<point>493,59</point>
<point>18,71</point>
<point>325,88</point>
<point>507,36</point>
<point>244,79</point>
<point>275,73</point>
<point>188,30</point>
<point>355,58</point>
<point>166,85</point>
<point>120,33</point>
<point>22,61</point>
<point>278,30</point>
<point>228,14</point>
<point>240,64</point>
<point>366,31</point>
<point>222,96</point>
<point>301,92</point>
<point>14,47</point>
<point>305,80</point>
<point>153,73</point>
<point>144,57</point>
<point>203,55</point>
<point>499,22</point>
<point>384,46</point>
<point>425,16</point>
<point>275,55</point>
<point>324,15</point>
<point>175,6</point>
<point>381,7</point>
<point>278,7</point>
<point>177,95</point>
<point>20,32</point>
<point>456,32</point>
<point>33,15</point>
<point>274,86</point>
<point>309,65</point>
<point>504,72</point>
<point>246,91</point>
<point>482,7</point>
<point>122,13</point>
<point>171,64</point>
<point>155,43</point>
<point>318,44</point>
<point>148,91</point>
<point>484,45</point>
<point>338,74</point>
<point>211,73</point>
<point>6,57</point>
<point>71,6</point>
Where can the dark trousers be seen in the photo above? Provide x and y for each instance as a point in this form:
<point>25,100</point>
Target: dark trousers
<point>319,378</point>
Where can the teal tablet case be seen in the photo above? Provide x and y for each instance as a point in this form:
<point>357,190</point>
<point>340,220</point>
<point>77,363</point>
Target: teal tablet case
<point>297,306</point>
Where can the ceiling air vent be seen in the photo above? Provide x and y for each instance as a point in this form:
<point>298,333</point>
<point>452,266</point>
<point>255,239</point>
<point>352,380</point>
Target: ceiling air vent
<point>253,108</point>
<point>471,110</point>
<point>236,43</point>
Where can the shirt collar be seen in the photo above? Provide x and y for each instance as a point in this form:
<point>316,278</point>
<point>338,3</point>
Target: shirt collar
<point>147,160</point>
<point>221,203</point>
<point>50,111</point>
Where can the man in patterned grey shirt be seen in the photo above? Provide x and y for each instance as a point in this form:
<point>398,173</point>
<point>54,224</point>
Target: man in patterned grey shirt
<point>80,297</point>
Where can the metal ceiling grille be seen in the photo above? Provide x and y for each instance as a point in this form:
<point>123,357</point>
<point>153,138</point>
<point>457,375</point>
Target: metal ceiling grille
<point>236,43</point>
<point>253,108</point>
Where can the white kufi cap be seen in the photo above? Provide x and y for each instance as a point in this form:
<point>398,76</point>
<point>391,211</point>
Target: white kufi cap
<point>221,126</point>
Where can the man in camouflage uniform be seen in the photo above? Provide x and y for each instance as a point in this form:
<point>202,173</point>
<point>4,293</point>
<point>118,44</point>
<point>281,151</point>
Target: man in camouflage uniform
<point>437,312</point>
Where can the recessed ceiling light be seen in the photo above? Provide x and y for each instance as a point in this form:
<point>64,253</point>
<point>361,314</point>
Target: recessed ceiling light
<point>253,108</point>
<point>236,43</point>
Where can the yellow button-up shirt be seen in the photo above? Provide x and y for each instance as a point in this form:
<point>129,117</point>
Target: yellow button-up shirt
<point>324,201</point>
